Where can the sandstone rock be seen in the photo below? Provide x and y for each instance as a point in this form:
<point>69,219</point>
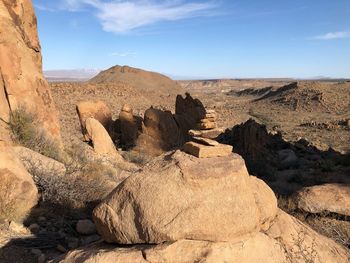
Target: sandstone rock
<point>205,151</point>
<point>211,134</point>
<point>22,84</point>
<point>205,141</point>
<point>206,126</point>
<point>100,138</point>
<point>18,193</point>
<point>184,198</point>
<point>39,162</point>
<point>159,130</point>
<point>94,109</point>
<point>86,227</point>
<point>128,126</point>
<point>18,228</point>
<point>258,248</point>
<point>333,198</point>
<point>302,244</point>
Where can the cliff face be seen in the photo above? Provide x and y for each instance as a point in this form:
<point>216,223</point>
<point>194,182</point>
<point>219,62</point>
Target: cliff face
<point>22,83</point>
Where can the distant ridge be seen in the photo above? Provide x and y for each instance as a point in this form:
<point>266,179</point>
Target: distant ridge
<point>70,74</point>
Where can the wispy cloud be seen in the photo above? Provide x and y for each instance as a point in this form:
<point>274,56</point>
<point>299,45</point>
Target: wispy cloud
<point>123,54</point>
<point>123,16</point>
<point>332,35</point>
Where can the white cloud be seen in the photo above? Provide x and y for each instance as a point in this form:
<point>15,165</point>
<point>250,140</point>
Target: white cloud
<point>120,16</point>
<point>333,35</point>
<point>123,54</point>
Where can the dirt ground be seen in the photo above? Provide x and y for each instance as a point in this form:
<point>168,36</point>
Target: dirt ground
<point>316,111</point>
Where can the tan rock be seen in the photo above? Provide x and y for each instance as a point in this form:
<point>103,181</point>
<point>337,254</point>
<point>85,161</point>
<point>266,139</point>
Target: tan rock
<point>128,126</point>
<point>333,198</point>
<point>22,84</point>
<point>159,131</point>
<point>207,120</point>
<point>302,244</point>
<point>18,193</point>
<point>184,198</point>
<point>211,134</point>
<point>41,164</point>
<point>205,151</point>
<point>100,138</point>
<point>258,248</point>
<point>94,109</point>
<point>205,141</point>
<point>206,126</point>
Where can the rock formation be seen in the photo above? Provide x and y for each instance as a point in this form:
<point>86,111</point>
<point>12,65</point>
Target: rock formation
<point>94,109</point>
<point>186,209</point>
<point>129,126</point>
<point>18,193</point>
<point>21,80</point>
<point>334,198</point>
<point>100,138</point>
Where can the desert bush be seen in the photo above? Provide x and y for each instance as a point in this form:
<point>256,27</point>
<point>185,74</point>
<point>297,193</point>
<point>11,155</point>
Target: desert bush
<point>24,130</point>
<point>84,184</point>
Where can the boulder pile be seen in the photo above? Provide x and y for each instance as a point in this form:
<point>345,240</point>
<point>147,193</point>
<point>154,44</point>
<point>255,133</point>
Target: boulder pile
<point>202,144</point>
<point>185,209</point>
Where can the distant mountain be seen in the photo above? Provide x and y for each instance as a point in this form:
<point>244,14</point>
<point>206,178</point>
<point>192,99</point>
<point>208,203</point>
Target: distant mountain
<point>70,74</point>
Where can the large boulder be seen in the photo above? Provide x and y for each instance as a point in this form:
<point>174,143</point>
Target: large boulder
<point>22,84</point>
<point>94,109</point>
<point>40,163</point>
<point>258,248</point>
<point>286,241</point>
<point>186,198</point>
<point>100,138</point>
<point>18,193</point>
<point>129,126</point>
<point>302,244</point>
<point>160,132</point>
<point>334,198</point>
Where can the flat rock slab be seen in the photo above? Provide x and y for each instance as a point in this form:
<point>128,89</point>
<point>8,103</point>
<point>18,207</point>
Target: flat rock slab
<point>205,151</point>
<point>205,141</point>
<point>334,198</point>
<point>211,134</point>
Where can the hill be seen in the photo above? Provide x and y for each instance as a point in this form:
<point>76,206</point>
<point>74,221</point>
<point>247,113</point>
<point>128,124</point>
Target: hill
<point>142,80</point>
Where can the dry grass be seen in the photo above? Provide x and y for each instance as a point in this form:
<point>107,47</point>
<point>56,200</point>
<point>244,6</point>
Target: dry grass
<point>84,184</point>
<point>24,130</point>
<point>330,225</point>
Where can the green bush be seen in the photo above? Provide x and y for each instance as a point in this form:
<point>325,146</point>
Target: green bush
<point>24,130</point>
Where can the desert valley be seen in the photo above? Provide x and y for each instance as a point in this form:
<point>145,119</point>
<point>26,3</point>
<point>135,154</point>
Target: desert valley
<point>132,166</point>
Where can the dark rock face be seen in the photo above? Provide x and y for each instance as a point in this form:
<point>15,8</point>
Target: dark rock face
<point>163,131</point>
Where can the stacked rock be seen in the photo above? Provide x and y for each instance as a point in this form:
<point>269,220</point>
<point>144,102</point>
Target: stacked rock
<point>208,122</point>
<point>203,144</point>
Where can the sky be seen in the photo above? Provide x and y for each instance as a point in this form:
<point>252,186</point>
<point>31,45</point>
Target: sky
<point>199,39</point>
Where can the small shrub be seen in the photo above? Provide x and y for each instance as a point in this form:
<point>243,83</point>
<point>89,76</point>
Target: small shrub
<point>136,157</point>
<point>24,130</point>
<point>84,185</point>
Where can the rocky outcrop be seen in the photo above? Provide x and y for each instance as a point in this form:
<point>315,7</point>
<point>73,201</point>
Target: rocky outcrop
<point>183,209</point>
<point>129,126</point>
<point>94,109</point>
<point>42,164</point>
<point>100,138</point>
<point>334,198</point>
<point>22,84</point>
<point>185,198</point>
<point>18,193</point>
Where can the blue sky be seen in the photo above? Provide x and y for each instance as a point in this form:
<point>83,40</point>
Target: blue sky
<point>205,39</point>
